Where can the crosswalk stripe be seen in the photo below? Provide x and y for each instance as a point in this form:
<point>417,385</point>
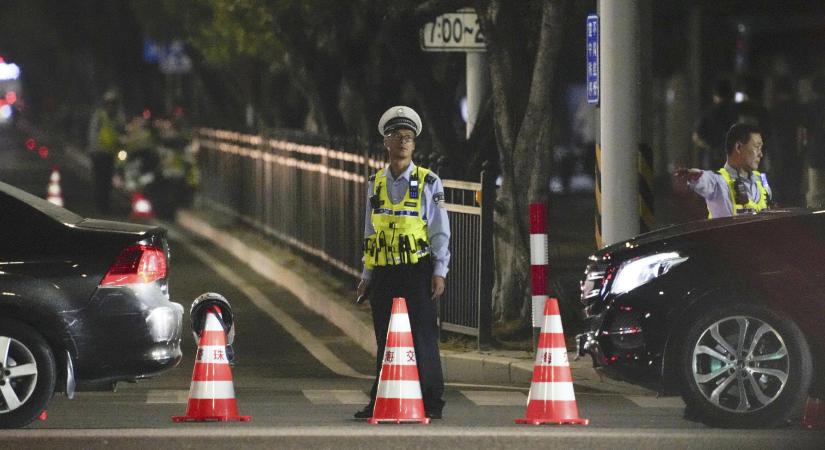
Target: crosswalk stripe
<point>496,398</point>
<point>654,402</point>
<point>336,397</point>
<point>158,396</point>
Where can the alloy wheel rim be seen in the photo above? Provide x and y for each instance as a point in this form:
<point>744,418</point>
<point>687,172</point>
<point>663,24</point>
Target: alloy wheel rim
<point>18,374</point>
<point>740,364</point>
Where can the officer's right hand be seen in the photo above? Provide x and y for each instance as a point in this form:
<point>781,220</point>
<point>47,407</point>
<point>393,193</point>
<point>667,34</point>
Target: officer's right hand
<point>362,287</point>
<point>688,174</point>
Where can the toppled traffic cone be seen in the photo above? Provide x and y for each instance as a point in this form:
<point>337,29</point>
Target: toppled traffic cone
<point>141,207</point>
<point>399,391</point>
<point>552,399</point>
<point>814,418</point>
<point>212,394</point>
<point>54,193</point>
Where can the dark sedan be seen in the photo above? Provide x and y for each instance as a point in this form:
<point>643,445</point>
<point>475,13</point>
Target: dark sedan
<point>726,312</point>
<point>84,303</point>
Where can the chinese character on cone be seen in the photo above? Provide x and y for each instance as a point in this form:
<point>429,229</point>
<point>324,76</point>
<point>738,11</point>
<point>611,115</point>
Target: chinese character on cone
<point>399,391</point>
<point>552,399</point>
<point>212,394</point>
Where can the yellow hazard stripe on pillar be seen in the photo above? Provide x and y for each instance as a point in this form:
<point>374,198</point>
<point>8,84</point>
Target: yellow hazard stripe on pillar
<point>647,218</point>
<point>598,193</point>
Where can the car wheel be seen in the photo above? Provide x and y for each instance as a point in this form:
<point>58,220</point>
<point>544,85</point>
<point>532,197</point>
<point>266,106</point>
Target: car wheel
<point>744,366</point>
<point>27,374</point>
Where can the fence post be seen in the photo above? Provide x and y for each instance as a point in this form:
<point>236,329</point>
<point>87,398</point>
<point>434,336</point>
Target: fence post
<point>486,272</point>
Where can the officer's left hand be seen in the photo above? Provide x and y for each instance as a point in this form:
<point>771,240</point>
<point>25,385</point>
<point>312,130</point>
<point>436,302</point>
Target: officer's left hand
<point>437,287</point>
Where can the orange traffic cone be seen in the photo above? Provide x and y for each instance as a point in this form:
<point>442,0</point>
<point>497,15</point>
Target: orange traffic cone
<point>141,207</point>
<point>552,399</point>
<point>814,418</point>
<point>55,195</point>
<point>212,394</point>
<point>399,392</point>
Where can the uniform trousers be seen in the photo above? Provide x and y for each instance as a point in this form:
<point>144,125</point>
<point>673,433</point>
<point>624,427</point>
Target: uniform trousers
<point>413,282</point>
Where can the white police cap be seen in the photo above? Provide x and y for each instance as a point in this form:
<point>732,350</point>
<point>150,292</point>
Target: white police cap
<point>399,117</point>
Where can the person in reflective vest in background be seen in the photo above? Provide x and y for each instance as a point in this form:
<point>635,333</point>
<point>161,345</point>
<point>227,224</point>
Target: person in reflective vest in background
<point>736,188</point>
<point>105,128</point>
<point>407,234</point>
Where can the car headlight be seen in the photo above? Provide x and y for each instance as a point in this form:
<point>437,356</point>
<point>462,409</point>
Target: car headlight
<point>639,271</point>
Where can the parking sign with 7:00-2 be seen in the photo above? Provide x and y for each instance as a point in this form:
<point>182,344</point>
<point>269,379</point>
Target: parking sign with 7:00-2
<point>458,31</point>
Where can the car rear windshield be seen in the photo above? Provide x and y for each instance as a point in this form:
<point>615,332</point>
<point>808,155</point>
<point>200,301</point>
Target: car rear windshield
<point>53,211</point>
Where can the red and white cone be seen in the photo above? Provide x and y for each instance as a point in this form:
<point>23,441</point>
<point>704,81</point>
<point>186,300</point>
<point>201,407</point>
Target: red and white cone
<point>399,391</point>
<point>814,418</point>
<point>552,399</point>
<point>141,207</point>
<point>212,394</point>
<point>54,193</point>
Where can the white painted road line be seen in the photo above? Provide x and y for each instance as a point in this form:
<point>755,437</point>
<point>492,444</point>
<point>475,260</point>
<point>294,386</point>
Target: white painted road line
<point>496,398</point>
<point>336,397</point>
<point>162,396</point>
<point>653,402</point>
<point>301,334</point>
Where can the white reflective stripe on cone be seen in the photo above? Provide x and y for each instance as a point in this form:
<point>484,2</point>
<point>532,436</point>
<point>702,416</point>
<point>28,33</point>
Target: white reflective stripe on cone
<point>552,324</point>
<point>552,357</point>
<point>399,356</point>
<point>538,310</point>
<point>559,391</point>
<point>538,249</point>
<point>399,389</point>
<point>215,354</point>
<point>400,323</point>
<point>212,323</point>
<point>211,389</point>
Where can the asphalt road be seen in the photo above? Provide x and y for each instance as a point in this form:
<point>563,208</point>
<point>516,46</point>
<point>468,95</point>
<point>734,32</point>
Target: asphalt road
<point>288,377</point>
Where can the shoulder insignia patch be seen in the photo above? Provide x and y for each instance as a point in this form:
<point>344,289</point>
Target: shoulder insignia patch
<point>372,177</point>
<point>429,179</point>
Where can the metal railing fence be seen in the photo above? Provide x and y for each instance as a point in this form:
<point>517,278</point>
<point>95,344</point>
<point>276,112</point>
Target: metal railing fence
<point>313,198</point>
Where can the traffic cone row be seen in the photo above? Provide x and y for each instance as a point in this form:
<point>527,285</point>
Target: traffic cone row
<point>399,390</point>
<point>54,193</point>
<point>212,393</point>
<point>551,398</point>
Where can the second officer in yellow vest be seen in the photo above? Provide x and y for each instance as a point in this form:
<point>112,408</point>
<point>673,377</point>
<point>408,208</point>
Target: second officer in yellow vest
<point>736,188</point>
<point>407,234</point>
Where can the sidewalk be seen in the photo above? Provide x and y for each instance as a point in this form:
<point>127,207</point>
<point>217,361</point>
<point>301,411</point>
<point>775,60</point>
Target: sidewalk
<point>333,299</point>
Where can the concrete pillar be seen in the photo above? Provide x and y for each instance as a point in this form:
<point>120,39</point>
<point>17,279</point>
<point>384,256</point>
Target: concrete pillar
<point>620,115</point>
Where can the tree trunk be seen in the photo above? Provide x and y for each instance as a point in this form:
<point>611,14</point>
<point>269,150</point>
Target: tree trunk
<point>523,132</point>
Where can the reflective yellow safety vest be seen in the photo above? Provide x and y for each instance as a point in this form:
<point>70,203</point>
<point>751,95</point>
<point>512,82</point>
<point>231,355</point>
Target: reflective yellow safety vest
<point>400,231</point>
<point>750,205</point>
<point>107,137</point>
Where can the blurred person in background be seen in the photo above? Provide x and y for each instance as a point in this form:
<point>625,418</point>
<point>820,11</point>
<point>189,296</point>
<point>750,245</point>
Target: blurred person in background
<point>710,129</point>
<point>786,155</point>
<point>814,132</point>
<point>105,128</point>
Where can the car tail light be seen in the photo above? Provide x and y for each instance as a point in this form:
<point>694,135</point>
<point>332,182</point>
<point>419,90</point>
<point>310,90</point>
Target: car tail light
<point>136,264</point>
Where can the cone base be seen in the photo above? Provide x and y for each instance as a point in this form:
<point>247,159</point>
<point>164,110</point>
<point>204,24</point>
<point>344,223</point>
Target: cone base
<point>553,421</point>
<point>374,421</point>
<point>178,419</point>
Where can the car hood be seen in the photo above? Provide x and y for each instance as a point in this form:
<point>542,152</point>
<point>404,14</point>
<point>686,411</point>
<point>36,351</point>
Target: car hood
<point>117,227</point>
<point>699,226</point>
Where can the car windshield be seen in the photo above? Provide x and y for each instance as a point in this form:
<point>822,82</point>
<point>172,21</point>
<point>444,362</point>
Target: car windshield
<point>55,212</point>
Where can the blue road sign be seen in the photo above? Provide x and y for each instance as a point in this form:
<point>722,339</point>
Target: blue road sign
<point>593,59</point>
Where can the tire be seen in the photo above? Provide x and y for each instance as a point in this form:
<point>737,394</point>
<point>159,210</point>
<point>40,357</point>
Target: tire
<point>32,388</point>
<point>774,372</point>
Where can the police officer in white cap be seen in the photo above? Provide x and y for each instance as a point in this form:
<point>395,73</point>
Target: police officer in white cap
<point>407,234</point>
